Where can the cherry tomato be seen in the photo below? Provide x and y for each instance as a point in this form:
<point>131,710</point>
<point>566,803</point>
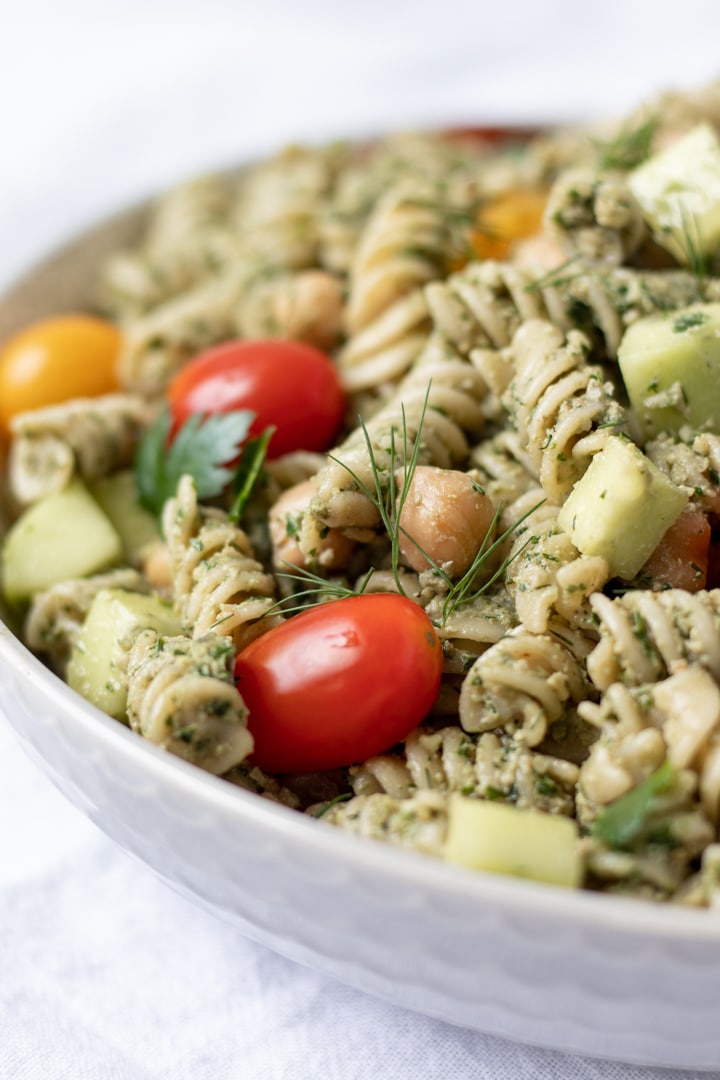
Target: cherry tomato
<point>680,561</point>
<point>285,383</point>
<point>339,683</point>
<point>55,360</point>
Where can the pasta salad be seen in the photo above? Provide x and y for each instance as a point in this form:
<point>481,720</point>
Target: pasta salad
<point>383,481</point>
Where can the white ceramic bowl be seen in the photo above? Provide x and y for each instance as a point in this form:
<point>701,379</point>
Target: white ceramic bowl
<point>593,974</point>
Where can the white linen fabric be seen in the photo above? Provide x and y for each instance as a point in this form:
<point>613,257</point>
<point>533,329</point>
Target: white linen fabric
<point>104,972</point>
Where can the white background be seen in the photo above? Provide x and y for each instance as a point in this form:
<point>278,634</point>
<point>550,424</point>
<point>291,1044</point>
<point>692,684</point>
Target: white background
<point>103,971</point>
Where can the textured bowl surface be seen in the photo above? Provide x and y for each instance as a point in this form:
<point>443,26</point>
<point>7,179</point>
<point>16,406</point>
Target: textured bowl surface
<point>593,974</point>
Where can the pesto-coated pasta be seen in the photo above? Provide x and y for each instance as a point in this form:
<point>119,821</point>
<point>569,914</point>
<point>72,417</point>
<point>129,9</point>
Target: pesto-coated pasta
<point>471,296</point>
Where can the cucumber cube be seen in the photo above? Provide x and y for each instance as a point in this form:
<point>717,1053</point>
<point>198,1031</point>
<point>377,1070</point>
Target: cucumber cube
<point>670,364</point>
<point>65,535</point>
<point>678,191</point>
<point>504,840</point>
<point>621,508</point>
<point>96,665</point>
<point>137,527</point>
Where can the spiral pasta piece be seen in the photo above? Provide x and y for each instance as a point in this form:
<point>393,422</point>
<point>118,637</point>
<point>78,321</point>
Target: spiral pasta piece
<point>381,166</point>
<point>645,636</point>
<point>189,238</point>
<point>159,343</point>
<point>279,205</point>
<point>595,215</point>
<point>411,238</point>
<point>675,720</point>
<point>691,461</point>
<point>562,407</point>
<point>525,682</point>
<point>502,468</point>
<point>488,765</point>
<point>483,305</point>
<point>219,586</point>
<point>418,823</point>
<point>546,574</point>
<point>88,436</point>
<point>55,618</point>
<point>182,697</point>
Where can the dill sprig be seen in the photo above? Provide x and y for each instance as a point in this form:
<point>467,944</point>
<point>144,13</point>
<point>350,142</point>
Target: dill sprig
<point>629,148</point>
<point>386,500</point>
<point>465,590</point>
<point>556,277</point>
<point>319,590</point>
<point>389,499</point>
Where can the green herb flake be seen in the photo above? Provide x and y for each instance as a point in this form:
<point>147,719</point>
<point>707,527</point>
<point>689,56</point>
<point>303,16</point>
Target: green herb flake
<point>625,821</point>
<point>688,321</point>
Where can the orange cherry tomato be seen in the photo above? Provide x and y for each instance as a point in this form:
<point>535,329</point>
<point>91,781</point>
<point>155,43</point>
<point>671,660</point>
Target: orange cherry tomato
<point>339,683</point>
<point>511,216</point>
<point>55,360</point>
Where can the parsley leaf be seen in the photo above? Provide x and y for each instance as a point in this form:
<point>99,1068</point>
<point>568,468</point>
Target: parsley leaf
<point>202,447</point>
<point>248,470</point>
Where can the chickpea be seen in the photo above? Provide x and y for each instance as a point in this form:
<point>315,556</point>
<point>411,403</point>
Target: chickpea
<point>335,548</point>
<point>156,565</point>
<point>446,515</point>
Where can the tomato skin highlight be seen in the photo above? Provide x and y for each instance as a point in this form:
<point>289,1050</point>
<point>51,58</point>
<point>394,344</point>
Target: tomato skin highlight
<point>288,384</point>
<point>57,359</point>
<point>339,683</point>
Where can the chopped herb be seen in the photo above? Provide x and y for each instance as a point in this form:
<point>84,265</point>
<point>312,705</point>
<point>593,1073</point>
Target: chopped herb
<point>630,147</point>
<point>554,278</point>
<point>323,809</point>
<point>544,785</point>
<point>688,321</point>
<point>626,820</point>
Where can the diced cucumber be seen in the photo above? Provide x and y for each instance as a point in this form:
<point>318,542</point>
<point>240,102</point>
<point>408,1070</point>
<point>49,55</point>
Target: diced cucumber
<point>65,535</point>
<point>138,528</point>
<point>621,508</point>
<point>504,840</point>
<point>114,618</point>
<point>670,364</point>
<point>678,190</point>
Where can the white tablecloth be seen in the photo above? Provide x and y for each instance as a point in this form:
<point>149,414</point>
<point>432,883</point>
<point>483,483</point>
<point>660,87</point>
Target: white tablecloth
<point>104,972</point>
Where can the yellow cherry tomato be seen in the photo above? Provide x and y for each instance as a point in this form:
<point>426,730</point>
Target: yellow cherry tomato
<point>512,216</point>
<point>57,359</point>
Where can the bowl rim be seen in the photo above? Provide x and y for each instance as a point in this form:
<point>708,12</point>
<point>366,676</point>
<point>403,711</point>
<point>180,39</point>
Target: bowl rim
<point>640,917</point>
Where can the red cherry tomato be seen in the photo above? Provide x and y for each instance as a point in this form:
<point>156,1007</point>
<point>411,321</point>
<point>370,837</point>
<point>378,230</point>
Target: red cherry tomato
<point>285,383</point>
<point>339,683</point>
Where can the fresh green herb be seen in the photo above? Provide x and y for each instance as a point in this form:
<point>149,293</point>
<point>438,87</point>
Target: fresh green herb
<point>324,807</point>
<point>627,819</point>
<point>202,448</point>
<point>630,147</point>
<point>248,470</point>
<point>466,590</point>
<point>688,321</point>
<point>319,590</point>
<point>385,497</point>
<point>389,503</point>
<point>545,785</point>
<point>554,278</point>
